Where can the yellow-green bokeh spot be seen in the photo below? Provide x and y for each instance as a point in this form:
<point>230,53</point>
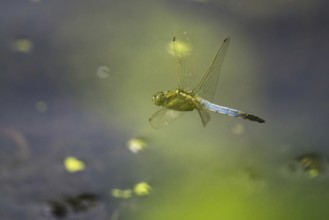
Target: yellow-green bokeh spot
<point>179,49</point>
<point>142,189</point>
<point>41,106</point>
<point>122,193</point>
<point>136,145</point>
<point>72,164</point>
<point>23,45</point>
<point>313,173</point>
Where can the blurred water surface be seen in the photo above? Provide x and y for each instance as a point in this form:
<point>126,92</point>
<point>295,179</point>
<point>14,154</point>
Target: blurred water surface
<point>77,79</point>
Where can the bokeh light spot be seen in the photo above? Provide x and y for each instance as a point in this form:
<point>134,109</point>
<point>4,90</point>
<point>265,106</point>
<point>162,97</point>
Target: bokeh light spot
<point>179,49</point>
<point>103,72</point>
<point>313,173</point>
<point>41,106</point>
<point>72,164</point>
<point>23,45</point>
<point>142,189</point>
<point>123,194</point>
<point>238,129</point>
<point>136,145</point>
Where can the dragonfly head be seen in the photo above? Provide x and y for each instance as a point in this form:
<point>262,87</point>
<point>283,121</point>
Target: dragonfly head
<point>158,98</point>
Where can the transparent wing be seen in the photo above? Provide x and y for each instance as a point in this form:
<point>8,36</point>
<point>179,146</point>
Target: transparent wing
<point>207,87</point>
<point>181,49</point>
<point>205,116</point>
<point>164,117</point>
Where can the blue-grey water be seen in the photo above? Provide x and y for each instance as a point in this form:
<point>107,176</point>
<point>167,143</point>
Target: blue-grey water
<point>76,80</point>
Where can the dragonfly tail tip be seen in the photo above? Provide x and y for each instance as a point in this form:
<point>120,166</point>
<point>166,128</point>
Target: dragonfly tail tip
<point>252,117</point>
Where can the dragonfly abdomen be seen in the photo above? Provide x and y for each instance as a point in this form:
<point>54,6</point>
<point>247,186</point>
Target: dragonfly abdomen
<point>219,109</point>
<point>229,111</point>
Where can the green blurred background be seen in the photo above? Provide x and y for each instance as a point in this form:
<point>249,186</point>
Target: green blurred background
<point>76,80</point>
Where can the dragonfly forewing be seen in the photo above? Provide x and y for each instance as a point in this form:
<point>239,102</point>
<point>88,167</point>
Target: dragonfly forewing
<point>182,49</point>
<point>208,84</point>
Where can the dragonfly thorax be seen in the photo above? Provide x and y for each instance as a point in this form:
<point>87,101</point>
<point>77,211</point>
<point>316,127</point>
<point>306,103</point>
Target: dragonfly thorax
<point>178,100</point>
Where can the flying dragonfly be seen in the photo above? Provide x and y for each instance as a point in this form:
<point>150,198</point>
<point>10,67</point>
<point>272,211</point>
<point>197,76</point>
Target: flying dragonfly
<point>190,95</point>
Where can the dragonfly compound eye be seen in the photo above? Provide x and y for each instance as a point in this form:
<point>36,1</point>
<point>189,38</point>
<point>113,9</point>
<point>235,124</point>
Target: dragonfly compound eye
<point>158,98</point>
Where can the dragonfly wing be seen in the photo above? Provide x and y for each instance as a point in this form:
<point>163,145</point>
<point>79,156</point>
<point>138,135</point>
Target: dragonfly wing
<point>205,116</point>
<point>163,117</point>
<point>207,87</point>
<point>182,50</point>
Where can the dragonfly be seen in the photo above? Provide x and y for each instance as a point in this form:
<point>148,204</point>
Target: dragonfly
<point>191,95</point>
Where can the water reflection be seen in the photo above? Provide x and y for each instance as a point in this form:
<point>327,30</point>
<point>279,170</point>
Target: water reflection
<point>310,164</point>
<point>72,205</point>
